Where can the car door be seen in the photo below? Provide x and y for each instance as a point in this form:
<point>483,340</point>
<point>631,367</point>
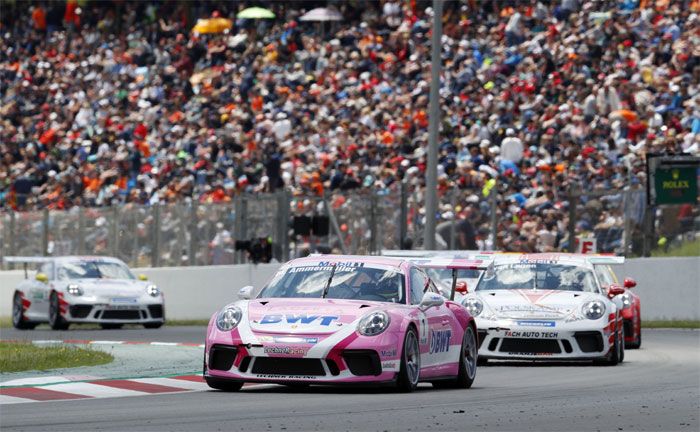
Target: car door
<point>435,331</point>
<point>39,291</point>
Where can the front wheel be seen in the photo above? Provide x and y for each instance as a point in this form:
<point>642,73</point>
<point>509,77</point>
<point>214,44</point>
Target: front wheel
<point>467,364</point>
<point>410,363</point>
<point>19,321</point>
<point>223,384</point>
<point>153,325</point>
<point>56,321</point>
<point>617,354</point>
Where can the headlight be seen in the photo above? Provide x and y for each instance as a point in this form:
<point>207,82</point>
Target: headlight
<point>593,310</point>
<point>228,318</point>
<point>626,300</point>
<point>473,305</point>
<point>152,290</point>
<point>74,289</point>
<point>373,324</point>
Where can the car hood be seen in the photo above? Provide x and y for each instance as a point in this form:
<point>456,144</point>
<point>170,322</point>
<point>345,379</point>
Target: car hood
<point>110,287</point>
<point>534,304</point>
<point>306,316</point>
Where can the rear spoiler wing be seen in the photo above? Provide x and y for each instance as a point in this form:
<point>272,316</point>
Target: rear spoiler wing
<point>480,262</point>
<point>606,259</point>
<point>25,260</point>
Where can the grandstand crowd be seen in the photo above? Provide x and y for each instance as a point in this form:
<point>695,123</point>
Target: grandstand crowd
<point>103,103</point>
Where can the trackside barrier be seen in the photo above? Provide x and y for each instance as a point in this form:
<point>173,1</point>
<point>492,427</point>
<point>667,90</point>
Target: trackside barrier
<point>669,287</point>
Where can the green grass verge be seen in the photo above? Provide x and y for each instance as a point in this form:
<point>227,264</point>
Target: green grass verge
<point>21,356</point>
<point>6,322</point>
<point>672,324</point>
<point>687,249</point>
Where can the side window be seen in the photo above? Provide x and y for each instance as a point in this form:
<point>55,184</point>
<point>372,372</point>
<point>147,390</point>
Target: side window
<point>604,275</point>
<point>418,281</point>
<point>433,288</point>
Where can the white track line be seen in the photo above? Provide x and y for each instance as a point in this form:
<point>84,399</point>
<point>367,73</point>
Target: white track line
<point>94,390</point>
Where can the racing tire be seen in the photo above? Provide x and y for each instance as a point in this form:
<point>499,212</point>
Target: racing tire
<point>409,373</point>
<point>56,321</point>
<point>223,384</point>
<point>617,354</point>
<point>467,364</point>
<point>111,326</point>
<point>19,321</point>
<point>153,325</point>
<point>637,343</point>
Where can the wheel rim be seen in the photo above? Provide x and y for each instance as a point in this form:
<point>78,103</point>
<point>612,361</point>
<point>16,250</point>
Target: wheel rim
<point>412,358</point>
<point>470,353</point>
<point>17,310</point>
<point>53,309</point>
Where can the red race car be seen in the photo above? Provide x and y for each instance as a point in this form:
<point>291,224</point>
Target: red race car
<point>628,301</point>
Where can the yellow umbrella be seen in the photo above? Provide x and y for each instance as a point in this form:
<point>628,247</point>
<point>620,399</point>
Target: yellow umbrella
<point>212,25</point>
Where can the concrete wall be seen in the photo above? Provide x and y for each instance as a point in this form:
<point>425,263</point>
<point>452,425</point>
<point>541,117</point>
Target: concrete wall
<point>669,287</point>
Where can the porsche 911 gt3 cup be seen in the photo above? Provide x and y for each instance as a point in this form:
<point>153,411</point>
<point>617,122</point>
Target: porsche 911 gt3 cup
<point>545,307</point>
<point>342,319</point>
<point>75,289</point>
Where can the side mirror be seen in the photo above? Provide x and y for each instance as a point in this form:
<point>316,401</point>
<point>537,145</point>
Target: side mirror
<point>615,289</point>
<point>41,277</point>
<point>630,283</point>
<point>142,277</point>
<point>245,293</point>
<point>461,287</point>
<point>431,299</point>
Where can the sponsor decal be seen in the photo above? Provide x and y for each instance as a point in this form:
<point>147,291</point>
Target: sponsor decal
<point>389,365</point>
<point>327,265</point>
<point>124,300</point>
<point>534,323</point>
<point>423,331</point>
<point>440,341</point>
<point>273,376</point>
<point>529,354</point>
<point>306,319</point>
<point>388,353</point>
<point>532,334</point>
<point>285,350</point>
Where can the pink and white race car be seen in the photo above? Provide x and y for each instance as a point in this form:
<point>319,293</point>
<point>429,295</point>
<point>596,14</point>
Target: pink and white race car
<point>343,319</point>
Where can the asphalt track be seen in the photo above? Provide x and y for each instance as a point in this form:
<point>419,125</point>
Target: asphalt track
<point>657,388</point>
<point>186,334</point>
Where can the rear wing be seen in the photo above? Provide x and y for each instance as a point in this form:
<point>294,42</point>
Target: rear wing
<point>605,259</point>
<point>25,260</point>
<point>478,262</point>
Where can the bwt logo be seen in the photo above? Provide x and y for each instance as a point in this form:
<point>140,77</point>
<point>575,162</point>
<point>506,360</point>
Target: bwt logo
<point>440,341</point>
<point>324,320</point>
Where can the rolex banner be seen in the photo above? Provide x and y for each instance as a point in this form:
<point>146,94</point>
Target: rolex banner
<point>674,180</point>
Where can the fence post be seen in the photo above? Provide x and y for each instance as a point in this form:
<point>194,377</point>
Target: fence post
<point>403,222</point>
<point>155,251</point>
<point>114,232</point>
<point>573,202</point>
<point>453,225</point>
<point>81,231</point>
<point>13,238</point>
<point>627,234</point>
<point>192,249</point>
<point>373,224</point>
<point>283,223</point>
<point>649,233</point>
<point>493,199</point>
<point>334,224</point>
<point>45,233</point>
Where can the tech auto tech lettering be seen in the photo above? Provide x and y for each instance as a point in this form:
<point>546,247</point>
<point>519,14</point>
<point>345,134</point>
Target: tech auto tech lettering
<point>324,320</point>
<point>440,341</point>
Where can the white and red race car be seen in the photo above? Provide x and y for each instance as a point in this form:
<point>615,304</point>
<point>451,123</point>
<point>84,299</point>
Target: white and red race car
<point>546,307</point>
<point>78,289</point>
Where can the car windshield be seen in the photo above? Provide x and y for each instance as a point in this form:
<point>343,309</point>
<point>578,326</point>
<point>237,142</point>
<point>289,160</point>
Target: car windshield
<point>94,270</point>
<point>544,276</point>
<point>355,281</point>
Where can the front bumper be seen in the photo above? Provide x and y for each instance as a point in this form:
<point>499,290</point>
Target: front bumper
<point>114,314</point>
<point>279,358</point>
<point>557,340</point>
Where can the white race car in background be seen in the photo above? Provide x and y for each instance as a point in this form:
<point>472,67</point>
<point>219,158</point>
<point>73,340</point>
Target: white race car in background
<point>75,289</point>
<point>545,307</point>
